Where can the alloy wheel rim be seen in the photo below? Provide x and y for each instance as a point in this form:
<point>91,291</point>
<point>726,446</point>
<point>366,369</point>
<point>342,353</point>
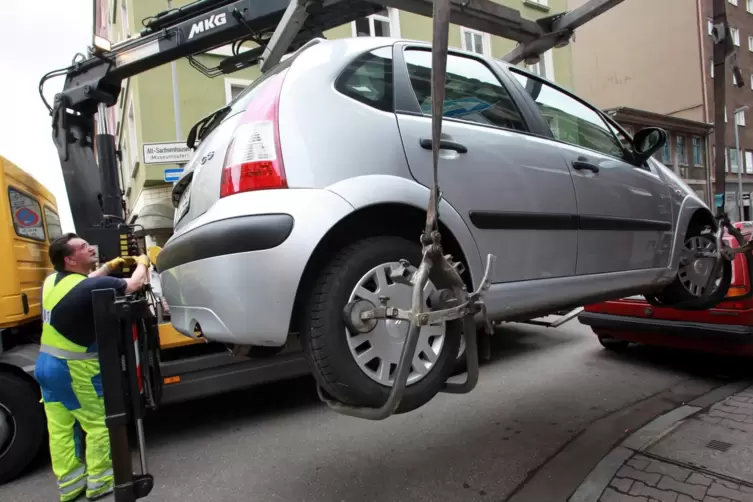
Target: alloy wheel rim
<point>694,272</point>
<point>377,352</point>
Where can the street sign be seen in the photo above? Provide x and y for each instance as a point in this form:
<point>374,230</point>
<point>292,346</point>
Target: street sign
<point>460,107</point>
<point>173,175</point>
<point>166,153</point>
<point>746,196</point>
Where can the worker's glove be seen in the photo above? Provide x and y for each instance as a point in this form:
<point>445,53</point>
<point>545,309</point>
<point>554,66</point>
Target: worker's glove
<point>143,260</point>
<point>115,263</point>
<point>130,261</point>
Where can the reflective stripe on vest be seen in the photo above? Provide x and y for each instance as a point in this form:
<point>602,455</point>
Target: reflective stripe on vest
<point>51,338</point>
<point>67,354</point>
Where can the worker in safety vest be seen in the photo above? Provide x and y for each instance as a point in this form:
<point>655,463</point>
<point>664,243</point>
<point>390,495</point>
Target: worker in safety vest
<point>68,369</point>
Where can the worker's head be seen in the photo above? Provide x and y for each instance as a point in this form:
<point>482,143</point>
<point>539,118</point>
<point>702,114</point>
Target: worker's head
<point>71,253</point>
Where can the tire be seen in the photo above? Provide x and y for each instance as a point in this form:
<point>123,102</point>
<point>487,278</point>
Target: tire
<point>614,344</point>
<point>19,401</point>
<point>679,295</point>
<point>326,343</point>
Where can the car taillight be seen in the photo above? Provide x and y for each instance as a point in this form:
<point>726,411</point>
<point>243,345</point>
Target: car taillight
<point>253,160</point>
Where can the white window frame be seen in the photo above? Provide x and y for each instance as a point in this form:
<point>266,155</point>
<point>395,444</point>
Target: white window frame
<point>133,140</point>
<point>486,41</point>
<point>710,24</point>
<point>733,2</point>
<point>125,28</point>
<point>237,82</point>
<point>750,43</point>
<point>740,118</point>
<point>711,67</point>
<point>735,34</point>
<point>750,6</point>
<point>545,3</point>
<point>548,59</point>
<point>748,154</point>
<point>393,18</point>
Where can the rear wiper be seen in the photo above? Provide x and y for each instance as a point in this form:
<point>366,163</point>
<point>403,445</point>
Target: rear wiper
<point>205,125</point>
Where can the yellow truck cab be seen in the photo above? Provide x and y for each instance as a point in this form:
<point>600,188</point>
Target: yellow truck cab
<point>28,223</point>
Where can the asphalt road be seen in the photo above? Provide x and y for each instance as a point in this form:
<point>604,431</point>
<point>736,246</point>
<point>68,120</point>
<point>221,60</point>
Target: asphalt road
<point>278,443</point>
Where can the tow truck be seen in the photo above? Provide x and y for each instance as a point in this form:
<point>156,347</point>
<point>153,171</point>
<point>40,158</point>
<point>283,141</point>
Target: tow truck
<point>87,154</point>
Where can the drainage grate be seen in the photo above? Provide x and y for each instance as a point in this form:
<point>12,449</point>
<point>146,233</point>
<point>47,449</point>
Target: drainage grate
<point>718,445</point>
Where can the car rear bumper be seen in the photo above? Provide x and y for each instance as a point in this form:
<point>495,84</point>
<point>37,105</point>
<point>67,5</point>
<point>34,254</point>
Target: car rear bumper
<point>683,329</point>
<point>235,270</point>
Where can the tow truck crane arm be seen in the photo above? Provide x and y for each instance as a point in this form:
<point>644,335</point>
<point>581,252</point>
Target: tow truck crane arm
<point>94,84</point>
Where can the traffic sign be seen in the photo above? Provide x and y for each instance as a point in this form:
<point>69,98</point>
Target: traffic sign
<point>173,175</point>
<point>460,107</point>
<point>167,153</point>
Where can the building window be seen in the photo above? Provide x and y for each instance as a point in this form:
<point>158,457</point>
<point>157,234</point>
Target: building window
<point>475,41</point>
<point>385,23</point>
<point>682,151</point>
<point>750,6</point>
<point>710,25</point>
<point>733,2</point>
<point>540,2</point>
<point>750,44</point>
<point>545,67</point>
<point>697,153</point>
<point>732,160</point>
<point>666,153</point>
<point>233,87</point>
<point>735,36</point>
<point>124,23</point>
<point>751,81</point>
<point>740,118</point>
<point>748,162</point>
<point>712,68</point>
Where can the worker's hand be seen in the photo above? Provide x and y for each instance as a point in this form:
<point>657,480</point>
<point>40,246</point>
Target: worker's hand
<point>115,263</point>
<point>130,261</point>
<point>143,260</point>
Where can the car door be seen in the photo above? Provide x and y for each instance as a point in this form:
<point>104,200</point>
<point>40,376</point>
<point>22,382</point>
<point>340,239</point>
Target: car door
<point>511,187</point>
<point>624,211</point>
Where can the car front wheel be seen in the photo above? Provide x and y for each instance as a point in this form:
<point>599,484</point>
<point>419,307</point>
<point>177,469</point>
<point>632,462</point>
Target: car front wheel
<point>359,369</point>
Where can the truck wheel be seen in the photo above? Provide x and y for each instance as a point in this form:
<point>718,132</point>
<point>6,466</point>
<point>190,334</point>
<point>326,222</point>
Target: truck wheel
<point>359,369</point>
<point>22,425</point>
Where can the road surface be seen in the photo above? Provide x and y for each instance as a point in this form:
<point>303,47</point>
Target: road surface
<point>278,443</point>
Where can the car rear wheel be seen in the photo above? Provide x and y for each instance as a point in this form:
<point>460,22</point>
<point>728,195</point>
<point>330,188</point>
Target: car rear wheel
<point>359,369</point>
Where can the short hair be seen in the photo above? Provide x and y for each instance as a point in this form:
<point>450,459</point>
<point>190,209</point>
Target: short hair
<point>60,250</point>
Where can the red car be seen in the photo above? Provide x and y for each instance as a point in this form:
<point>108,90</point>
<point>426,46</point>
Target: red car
<point>726,329</point>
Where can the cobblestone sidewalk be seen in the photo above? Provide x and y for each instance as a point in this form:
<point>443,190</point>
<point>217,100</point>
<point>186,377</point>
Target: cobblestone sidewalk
<point>648,477</point>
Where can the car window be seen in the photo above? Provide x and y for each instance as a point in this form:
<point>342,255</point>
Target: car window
<point>27,215</point>
<point>54,230</point>
<point>571,120</point>
<point>368,79</point>
<point>472,92</point>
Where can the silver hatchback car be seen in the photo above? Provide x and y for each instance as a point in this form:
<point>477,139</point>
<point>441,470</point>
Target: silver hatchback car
<point>312,184</point>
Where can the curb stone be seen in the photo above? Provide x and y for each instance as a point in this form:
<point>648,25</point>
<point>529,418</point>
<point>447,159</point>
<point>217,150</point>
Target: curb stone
<point>627,475</point>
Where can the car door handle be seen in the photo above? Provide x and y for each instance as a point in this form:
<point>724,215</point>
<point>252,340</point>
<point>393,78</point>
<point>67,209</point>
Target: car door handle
<point>582,164</point>
<point>444,144</point>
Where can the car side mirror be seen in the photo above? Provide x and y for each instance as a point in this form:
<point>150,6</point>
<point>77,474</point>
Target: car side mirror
<point>647,142</point>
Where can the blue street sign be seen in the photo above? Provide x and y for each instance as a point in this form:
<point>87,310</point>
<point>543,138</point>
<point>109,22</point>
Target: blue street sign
<point>460,107</point>
<point>173,175</point>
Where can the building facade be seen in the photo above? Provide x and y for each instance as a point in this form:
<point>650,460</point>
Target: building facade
<point>146,112</point>
<point>656,56</point>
